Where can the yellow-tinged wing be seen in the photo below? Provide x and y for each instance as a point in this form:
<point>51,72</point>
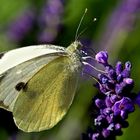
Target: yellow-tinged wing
<point>47,96</point>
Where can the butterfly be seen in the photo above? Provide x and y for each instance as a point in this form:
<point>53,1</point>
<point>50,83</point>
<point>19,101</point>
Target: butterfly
<point>38,84</point>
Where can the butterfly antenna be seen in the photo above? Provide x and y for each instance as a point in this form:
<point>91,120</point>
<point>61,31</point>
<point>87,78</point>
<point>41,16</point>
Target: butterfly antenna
<point>76,34</point>
<point>95,19</point>
<point>81,32</point>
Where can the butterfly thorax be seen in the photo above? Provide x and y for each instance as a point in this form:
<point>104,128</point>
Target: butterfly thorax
<point>74,53</point>
<point>73,48</point>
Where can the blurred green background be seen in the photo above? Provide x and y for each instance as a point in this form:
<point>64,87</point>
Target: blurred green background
<point>117,30</point>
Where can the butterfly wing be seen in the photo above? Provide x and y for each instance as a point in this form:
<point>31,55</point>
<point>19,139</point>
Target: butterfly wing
<point>17,56</point>
<point>47,96</point>
<point>23,70</point>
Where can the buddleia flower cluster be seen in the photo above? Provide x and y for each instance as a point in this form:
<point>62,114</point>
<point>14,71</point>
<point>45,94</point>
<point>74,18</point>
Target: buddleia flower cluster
<point>21,26</point>
<point>115,100</point>
<point>50,20</point>
<point>39,26</point>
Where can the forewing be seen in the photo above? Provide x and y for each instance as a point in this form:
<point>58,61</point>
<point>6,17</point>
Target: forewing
<point>47,96</point>
<point>18,56</point>
<point>22,73</point>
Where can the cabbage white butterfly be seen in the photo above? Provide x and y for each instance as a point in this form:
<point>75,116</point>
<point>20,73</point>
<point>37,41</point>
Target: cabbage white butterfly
<point>38,84</point>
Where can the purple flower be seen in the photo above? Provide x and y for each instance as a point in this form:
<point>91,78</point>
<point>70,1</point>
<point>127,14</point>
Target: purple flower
<point>126,71</point>
<point>122,107</point>
<point>21,26</point>
<point>101,57</point>
<point>99,103</point>
<point>108,102</point>
<point>119,68</point>
<point>95,136</point>
<point>118,126</point>
<point>105,133</point>
<point>122,19</point>
<point>50,21</point>
<point>115,100</point>
<point>128,81</point>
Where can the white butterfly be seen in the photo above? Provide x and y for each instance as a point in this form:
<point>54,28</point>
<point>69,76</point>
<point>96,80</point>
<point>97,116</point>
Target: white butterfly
<point>38,83</point>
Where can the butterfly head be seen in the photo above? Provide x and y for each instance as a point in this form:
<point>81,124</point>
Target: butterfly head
<point>74,47</point>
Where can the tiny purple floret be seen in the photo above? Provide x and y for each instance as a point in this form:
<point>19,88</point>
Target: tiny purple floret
<point>101,57</point>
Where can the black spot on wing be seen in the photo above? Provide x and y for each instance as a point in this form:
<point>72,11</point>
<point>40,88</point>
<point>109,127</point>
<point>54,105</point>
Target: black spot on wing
<point>20,86</point>
<point>1,55</point>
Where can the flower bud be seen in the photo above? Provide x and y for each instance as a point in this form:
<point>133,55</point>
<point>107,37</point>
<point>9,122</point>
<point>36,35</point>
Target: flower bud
<point>102,57</point>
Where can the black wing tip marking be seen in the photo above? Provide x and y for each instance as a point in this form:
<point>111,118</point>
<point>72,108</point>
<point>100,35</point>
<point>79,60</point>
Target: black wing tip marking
<point>1,55</point>
<point>20,86</point>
